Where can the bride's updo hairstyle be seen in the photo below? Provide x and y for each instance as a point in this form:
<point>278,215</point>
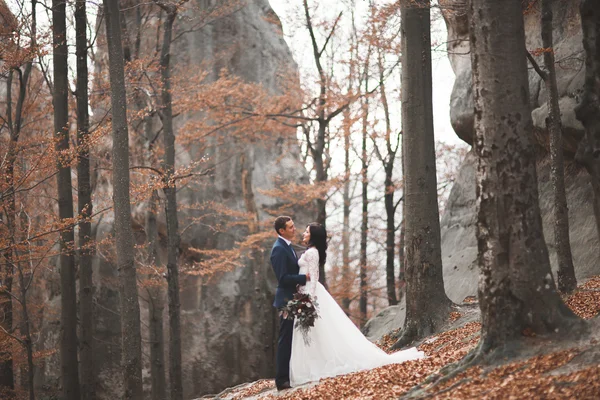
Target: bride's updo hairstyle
<point>318,238</point>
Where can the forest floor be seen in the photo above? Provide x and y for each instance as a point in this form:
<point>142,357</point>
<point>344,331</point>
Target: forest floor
<point>545,369</point>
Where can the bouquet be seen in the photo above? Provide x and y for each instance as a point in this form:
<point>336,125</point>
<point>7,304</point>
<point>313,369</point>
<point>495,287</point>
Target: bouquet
<point>303,308</point>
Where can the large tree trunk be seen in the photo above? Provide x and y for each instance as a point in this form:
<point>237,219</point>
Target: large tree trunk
<point>588,111</point>
<point>516,291</point>
<point>566,272</point>
<point>86,252</point>
<point>427,305</point>
<point>170,189</point>
<point>68,316</point>
<point>130,311</point>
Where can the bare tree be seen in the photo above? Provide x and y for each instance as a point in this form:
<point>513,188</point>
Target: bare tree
<point>170,190</point>
<point>427,305</point>
<point>14,125</point>
<point>86,250</point>
<point>364,226</point>
<point>130,310</point>
<point>68,316</point>
<point>566,272</point>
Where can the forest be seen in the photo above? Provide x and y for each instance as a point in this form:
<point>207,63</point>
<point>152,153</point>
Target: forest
<point>147,147</point>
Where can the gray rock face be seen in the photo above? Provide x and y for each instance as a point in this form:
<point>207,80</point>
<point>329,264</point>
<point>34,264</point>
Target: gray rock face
<point>569,55</point>
<point>229,327</point>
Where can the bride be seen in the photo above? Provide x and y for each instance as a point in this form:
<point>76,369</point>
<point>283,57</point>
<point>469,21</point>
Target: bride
<point>335,345</point>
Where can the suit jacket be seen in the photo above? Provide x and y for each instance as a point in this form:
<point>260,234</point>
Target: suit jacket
<point>285,266</point>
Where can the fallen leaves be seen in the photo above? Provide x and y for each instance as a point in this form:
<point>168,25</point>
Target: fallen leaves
<point>543,376</point>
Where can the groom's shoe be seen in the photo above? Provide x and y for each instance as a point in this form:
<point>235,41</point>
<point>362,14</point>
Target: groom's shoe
<point>283,386</point>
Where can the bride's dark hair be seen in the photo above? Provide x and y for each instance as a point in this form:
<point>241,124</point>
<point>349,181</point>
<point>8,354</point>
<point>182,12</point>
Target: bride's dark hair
<point>318,238</point>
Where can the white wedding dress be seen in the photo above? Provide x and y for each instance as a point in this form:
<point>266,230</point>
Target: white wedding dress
<point>336,346</point>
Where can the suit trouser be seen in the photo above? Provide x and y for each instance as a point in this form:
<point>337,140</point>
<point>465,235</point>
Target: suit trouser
<point>284,350</point>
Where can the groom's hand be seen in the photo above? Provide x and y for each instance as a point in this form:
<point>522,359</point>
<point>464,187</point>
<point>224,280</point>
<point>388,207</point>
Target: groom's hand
<point>308,276</point>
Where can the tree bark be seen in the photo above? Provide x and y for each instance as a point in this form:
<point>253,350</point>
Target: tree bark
<point>566,272</point>
<point>390,206</point>
<point>86,251</point>
<point>130,311</point>
<point>401,259</point>
<point>170,189</point>
<point>588,111</point>
<point>427,305</point>
<point>516,293</point>
<point>346,273</point>
<point>6,365</point>
<point>157,348</point>
<point>68,319</point>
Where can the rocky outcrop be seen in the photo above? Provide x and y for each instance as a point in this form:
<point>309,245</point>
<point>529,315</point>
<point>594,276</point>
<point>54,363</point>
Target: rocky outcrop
<point>569,56</point>
<point>459,244</point>
<point>229,327</point>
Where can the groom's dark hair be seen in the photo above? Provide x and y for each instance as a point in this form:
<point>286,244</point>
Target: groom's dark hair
<point>281,222</point>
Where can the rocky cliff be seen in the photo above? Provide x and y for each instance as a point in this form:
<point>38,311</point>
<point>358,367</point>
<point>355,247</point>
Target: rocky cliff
<point>229,327</point>
<point>459,245</point>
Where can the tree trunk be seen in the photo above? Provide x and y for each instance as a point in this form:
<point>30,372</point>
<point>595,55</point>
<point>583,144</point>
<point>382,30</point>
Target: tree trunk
<point>68,317</point>
<point>14,126</point>
<point>401,269</point>
<point>588,111</point>
<point>346,273</point>
<point>6,365</point>
<point>566,273</point>
<point>390,207</point>
<point>27,340</point>
<point>427,305</point>
<point>517,292</point>
<point>390,211</point>
<point>130,311</point>
<point>364,226</point>
<point>86,252</point>
<point>175,375</point>
<point>156,307</point>
<point>157,348</point>
<point>321,177</point>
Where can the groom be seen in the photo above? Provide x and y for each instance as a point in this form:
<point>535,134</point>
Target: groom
<point>285,265</point>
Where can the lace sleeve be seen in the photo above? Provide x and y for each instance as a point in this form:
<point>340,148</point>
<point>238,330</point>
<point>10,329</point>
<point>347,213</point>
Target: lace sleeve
<point>312,259</point>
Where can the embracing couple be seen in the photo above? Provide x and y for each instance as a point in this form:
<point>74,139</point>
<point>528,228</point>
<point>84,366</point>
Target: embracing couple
<point>336,345</point>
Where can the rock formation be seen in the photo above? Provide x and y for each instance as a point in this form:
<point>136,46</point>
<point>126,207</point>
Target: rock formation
<point>229,327</point>
<point>459,245</point>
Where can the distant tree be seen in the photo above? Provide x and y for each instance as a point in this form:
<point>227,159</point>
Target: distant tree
<point>68,298</point>
<point>130,310</point>
<point>566,272</point>
<point>84,199</point>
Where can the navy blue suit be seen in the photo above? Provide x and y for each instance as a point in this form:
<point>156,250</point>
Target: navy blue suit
<point>285,266</point>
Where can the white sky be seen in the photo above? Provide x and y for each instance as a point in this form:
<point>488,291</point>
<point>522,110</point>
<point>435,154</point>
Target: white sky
<point>443,76</point>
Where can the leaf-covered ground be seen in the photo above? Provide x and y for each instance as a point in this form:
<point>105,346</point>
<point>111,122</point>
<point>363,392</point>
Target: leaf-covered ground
<point>554,373</point>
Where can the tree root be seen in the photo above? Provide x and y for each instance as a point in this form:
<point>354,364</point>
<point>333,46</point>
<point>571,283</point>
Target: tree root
<point>423,390</point>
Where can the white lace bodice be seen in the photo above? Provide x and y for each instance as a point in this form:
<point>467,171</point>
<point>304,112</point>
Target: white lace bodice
<point>309,263</point>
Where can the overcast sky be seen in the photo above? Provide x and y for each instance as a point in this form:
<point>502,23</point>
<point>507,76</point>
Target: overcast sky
<point>443,76</point>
